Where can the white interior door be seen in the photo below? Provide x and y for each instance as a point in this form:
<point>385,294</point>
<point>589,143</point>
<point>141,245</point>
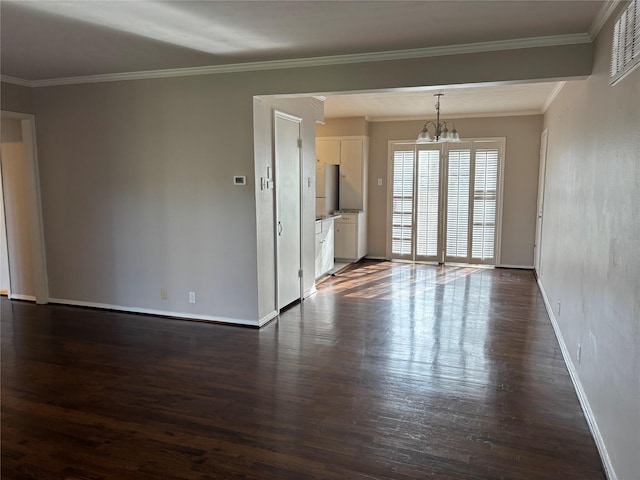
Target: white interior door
<point>288,224</point>
<point>537,249</point>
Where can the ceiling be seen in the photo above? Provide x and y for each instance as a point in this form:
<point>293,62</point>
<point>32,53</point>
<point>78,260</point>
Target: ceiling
<point>44,40</point>
<point>460,101</point>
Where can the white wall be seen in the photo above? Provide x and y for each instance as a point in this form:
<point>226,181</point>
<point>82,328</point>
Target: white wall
<point>591,249</point>
<point>136,176</point>
<point>16,203</point>
<point>520,183</point>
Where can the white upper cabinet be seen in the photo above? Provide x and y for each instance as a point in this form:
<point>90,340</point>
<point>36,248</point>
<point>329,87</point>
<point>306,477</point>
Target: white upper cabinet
<point>352,154</point>
<point>328,151</point>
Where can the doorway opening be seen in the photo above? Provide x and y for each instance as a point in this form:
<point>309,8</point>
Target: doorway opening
<point>24,268</point>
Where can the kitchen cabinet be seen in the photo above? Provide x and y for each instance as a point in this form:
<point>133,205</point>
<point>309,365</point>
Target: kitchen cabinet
<point>325,231</point>
<point>352,175</point>
<point>352,154</point>
<point>328,151</point>
<point>351,236</point>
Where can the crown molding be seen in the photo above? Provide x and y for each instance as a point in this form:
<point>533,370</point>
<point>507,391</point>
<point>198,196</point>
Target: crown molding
<point>460,49</point>
<point>15,81</point>
<point>603,15</point>
<point>552,96</point>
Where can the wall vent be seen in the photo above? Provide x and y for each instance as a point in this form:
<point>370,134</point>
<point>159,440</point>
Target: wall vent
<point>625,50</point>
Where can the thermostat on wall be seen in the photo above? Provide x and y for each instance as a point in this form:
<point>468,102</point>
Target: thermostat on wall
<point>239,180</point>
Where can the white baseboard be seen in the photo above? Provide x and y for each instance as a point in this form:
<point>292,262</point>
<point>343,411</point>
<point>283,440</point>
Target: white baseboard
<point>582,396</point>
<point>17,296</point>
<point>521,267</point>
<point>267,318</point>
<point>310,292</point>
<point>161,313</point>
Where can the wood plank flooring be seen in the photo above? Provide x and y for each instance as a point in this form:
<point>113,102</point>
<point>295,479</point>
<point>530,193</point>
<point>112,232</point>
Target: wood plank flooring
<point>391,371</point>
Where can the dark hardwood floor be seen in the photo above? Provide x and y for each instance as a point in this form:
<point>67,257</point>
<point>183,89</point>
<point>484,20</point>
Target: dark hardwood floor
<point>391,371</point>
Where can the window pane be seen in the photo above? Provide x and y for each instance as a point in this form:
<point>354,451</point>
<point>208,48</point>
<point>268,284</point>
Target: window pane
<point>402,202</point>
<point>484,204</point>
<point>458,203</point>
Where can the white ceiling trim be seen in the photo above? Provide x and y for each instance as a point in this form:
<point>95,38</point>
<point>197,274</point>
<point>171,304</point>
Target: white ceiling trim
<point>603,15</point>
<point>15,81</point>
<point>467,48</point>
<point>552,96</point>
<point>457,116</point>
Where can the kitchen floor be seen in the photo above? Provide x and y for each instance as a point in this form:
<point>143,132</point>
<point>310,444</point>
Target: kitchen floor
<point>338,266</point>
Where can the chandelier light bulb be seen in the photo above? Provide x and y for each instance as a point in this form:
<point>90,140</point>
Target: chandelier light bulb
<point>441,131</point>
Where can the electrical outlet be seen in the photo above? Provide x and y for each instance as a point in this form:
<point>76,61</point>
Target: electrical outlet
<point>579,355</point>
<point>192,297</point>
<point>163,293</point>
<point>558,308</point>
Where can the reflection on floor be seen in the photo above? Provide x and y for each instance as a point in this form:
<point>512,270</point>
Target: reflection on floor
<point>391,371</point>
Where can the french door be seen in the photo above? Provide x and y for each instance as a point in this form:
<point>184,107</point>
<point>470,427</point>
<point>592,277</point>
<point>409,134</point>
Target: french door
<point>445,201</point>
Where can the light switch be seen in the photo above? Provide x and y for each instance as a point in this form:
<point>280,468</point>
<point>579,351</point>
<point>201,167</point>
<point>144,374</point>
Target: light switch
<point>379,182</point>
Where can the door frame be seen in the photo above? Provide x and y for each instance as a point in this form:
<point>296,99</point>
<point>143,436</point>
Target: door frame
<point>276,207</point>
<point>36,225</point>
<point>542,172</point>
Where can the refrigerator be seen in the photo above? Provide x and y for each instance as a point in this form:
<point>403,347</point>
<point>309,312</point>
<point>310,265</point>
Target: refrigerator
<point>327,177</point>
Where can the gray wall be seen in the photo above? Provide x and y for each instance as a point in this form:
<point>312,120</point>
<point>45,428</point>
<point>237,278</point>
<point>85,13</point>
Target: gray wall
<point>136,176</point>
<point>15,98</point>
<point>520,182</point>
<point>310,111</point>
<point>591,247</point>
<point>137,194</point>
<point>16,203</point>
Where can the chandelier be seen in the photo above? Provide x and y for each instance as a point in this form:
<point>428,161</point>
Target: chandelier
<point>441,131</point>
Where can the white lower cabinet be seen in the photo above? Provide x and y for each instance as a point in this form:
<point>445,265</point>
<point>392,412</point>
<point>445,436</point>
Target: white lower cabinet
<point>351,237</point>
<point>324,246</point>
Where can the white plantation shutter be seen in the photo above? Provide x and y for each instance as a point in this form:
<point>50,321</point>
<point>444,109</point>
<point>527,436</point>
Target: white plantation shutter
<point>625,50</point>
<point>402,203</point>
<point>485,203</point>
<point>459,173</point>
<point>636,31</point>
<point>445,201</point>
<point>427,205</point>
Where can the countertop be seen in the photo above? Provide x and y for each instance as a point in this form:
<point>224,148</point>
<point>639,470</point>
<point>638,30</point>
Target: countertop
<point>328,217</point>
